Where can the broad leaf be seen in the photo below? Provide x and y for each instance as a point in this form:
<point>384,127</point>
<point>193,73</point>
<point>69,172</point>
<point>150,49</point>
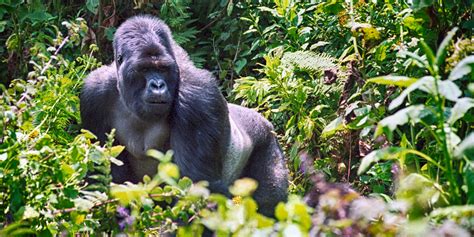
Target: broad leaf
<point>401,81</point>
<point>462,68</point>
<point>421,61</point>
<point>441,53</point>
<point>452,139</point>
<point>392,153</point>
<point>420,191</point>
<point>449,90</point>
<point>92,5</point>
<point>460,108</point>
<point>128,193</point>
<point>429,53</point>
<point>388,153</point>
<point>116,150</point>
<point>469,181</point>
<point>422,82</point>
<point>466,147</point>
<point>446,88</point>
<point>420,4</point>
<point>333,127</point>
<point>453,212</point>
<point>243,187</point>
<point>401,117</point>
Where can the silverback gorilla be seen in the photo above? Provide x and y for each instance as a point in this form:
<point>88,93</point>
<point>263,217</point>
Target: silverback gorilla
<point>155,98</point>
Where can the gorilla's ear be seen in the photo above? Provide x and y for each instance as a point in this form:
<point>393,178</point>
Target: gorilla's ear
<point>119,59</point>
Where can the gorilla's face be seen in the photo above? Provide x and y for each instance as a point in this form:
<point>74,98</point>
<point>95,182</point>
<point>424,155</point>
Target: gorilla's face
<point>148,76</point>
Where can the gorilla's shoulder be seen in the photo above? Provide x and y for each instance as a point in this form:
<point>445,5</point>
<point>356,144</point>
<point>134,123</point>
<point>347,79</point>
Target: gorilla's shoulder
<point>98,94</point>
<point>189,72</point>
<point>100,82</point>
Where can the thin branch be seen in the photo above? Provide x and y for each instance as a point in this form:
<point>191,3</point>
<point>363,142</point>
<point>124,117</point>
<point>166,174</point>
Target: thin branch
<point>65,40</point>
<point>68,210</point>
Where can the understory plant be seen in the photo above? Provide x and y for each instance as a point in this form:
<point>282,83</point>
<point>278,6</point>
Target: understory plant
<point>295,94</point>
<point>433,125</point>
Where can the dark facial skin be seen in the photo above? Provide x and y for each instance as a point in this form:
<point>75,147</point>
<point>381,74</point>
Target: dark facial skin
<point>148,77</point>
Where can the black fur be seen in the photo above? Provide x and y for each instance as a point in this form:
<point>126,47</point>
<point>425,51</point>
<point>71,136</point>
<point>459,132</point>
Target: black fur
<point>196,123</point>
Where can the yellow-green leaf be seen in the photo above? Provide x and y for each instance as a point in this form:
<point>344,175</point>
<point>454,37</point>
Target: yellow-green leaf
<point>116,150</point>
<point>243,187</point>
<point>401,81</point>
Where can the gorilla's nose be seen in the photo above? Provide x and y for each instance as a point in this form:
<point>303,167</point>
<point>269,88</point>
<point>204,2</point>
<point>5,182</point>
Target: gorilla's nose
<point>157,91</point>
<point>158,86</point>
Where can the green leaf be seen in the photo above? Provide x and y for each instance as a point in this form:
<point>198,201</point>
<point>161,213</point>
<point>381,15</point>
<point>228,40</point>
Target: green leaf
<point>401,117</point>
<point>185,183</point>
<point>422,82</point>
<point>243,187</point>
<point>116,150</point>
<point>30,212</point>
<point>388,153</point>
<point>67,170</point>
<point>168,170</point>
<point>469,181</point>
<point>83,204</point>
<point>160,155</point>
<point>230,7</point>
<point>460,108</point>
<point>126,194</point>
<point>37,16</point>
<point>88,134</point>
<point>401,81</point>
<point>2,25</point>
<point>92,5</point>
<point>421,61</point>
<point>333,127</point>
<point>466,147</point>
<point>109,33</point>
<point>420,191</point>
<point>419,4</point>
<point>448,90</point>
<point>311,61</point>
<point>280,212</point>
<point>463,68</point>
<point>239,64</point>
<point>453,212</point>
<point>428,52</point>
<point>442,50</point>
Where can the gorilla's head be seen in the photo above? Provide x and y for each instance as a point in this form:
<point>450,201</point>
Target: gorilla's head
<point>148,75</point>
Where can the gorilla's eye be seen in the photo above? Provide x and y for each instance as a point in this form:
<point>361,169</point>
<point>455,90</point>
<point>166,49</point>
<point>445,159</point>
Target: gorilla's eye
<point>119,59</point>
<point>154,57</point>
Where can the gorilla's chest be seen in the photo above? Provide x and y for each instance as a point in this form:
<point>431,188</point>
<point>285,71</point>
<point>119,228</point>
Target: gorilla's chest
<point>138,138</point>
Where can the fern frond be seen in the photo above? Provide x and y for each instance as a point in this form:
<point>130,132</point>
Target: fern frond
<point>308,60</point>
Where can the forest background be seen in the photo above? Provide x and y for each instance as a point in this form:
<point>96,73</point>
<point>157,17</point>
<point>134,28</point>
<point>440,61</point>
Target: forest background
<point>371,101</point>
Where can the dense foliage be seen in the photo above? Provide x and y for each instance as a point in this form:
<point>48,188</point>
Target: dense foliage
<point>372,102</point>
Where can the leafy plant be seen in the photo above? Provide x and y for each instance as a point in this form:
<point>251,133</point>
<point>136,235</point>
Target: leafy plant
<point>436,115</point>
<point>293,94</point>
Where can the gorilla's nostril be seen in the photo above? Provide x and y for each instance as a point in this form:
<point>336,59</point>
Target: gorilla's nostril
<point>161,85</point>
<point>157,85</point>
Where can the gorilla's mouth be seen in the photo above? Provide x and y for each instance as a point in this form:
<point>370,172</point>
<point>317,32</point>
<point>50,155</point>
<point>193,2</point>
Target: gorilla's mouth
<point>156,101</point>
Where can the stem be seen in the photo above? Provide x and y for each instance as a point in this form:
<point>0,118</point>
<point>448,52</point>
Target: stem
<point>427,158</point>
<point>453,187</point>
<point>412,141</point>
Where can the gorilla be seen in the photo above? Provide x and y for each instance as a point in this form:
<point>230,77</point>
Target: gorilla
<point>155,98</point>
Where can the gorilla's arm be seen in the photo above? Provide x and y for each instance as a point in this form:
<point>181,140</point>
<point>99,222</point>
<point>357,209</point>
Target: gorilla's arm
<point>200,126</point>
<point>98,93</point>
<point>98,97</point>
